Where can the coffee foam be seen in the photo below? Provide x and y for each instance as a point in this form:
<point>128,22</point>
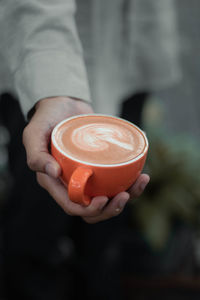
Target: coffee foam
<point>97,137</point>
<point>101,140</point>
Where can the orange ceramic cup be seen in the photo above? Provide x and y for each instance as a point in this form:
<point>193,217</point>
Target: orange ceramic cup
<point>87,180</point>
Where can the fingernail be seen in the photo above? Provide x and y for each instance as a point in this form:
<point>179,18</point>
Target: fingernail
<point>120,207</point>
<point>50,170</point>
<point>117,209</point>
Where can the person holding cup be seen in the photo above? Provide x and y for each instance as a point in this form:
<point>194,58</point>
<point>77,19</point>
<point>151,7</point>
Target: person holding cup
<point>46,65</point>
<point>48,170</point>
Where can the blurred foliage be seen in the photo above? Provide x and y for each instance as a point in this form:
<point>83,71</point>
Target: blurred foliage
<point>173,193</point>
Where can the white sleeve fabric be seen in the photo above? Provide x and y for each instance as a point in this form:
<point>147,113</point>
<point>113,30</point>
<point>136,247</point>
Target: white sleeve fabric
<point>40,44</point>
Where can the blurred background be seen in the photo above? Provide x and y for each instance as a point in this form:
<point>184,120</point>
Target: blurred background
<point>153,249</point>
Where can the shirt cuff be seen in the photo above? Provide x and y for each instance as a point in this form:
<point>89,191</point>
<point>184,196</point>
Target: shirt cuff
<point>50,74</point>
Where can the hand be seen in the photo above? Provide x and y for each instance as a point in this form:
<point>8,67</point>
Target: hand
<point>100,208</point>
<point>36,138</point>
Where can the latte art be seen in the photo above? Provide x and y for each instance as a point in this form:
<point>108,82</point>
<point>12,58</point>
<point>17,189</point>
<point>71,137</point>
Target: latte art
<point>97,137</point>
<point>100,139</point>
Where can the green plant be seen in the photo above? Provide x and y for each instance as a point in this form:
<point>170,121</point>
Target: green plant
<point>174,191</point>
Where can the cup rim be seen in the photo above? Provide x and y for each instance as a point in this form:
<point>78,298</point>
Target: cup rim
<point>96,164</point>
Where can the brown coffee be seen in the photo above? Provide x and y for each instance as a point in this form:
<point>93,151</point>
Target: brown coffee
<point>100,139</point>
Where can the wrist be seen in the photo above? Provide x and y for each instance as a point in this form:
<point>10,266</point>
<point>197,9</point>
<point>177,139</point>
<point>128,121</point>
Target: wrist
<point>69,104</point>
<point>43,102</point>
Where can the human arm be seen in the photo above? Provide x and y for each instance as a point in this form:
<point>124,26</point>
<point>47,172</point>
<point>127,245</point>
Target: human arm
<point>44,55</point>
<point>40,44</point>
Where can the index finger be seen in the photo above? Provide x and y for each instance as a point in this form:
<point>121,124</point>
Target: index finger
<point>36,138</point>
<point>59,192</point>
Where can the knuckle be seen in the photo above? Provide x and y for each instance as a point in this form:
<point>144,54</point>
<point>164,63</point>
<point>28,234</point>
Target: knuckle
<point>25,134</point>
<point>33,163</point>
<point>70,212</point>
<point>91,213</point>
<point>96,209</point>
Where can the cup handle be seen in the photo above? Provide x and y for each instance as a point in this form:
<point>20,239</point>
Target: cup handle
<point>77,184</point>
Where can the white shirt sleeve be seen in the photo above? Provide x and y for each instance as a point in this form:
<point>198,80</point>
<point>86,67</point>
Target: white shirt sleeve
<point>41,47</point>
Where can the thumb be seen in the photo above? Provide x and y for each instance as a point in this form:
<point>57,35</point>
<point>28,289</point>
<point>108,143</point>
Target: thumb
<point>36,138</point>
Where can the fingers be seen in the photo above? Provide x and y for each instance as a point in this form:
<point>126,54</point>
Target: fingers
<point>36,136</point>
<point>113,208</point>
<point>100,208</point>
<point>36,139</point>
<point>139,186</point>
<point>117,204</point>
<point>59,192</point>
